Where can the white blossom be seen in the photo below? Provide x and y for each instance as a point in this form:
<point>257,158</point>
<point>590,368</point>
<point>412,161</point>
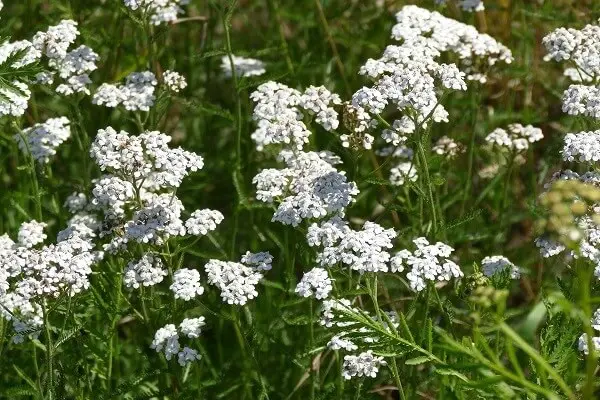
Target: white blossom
<point>137,94</point>
<point>187,355</point>
<point>186,284</point>
<point>314,187</point>
<point>403,173</point>
<point>493,264</point>
<point>192,327</point>
<point>174,81</point>
<point>363,251</point>
<point>338,342</point>
<point>244,67</point>
<point>31,233</point>
<point>167,339</point>
<point>315,282</point>
<point>548,247</point>
<point>203,221</point>
<point>582,147</point>
<point>42,140</point>
<point>583,343</point>
<point>147,271</point>
<point>517,138</point>
<point>159,11</point>
<point>429,262</point>
<point>259,261</point>
<point>364,364</point>
<point>236,281</point>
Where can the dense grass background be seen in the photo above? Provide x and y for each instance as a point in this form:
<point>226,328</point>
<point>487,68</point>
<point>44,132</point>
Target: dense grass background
<point>265,348</point>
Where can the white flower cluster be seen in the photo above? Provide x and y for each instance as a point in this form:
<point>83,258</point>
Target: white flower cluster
<point>72,66</point>
<point>364,251</point>
<point>493,264</point>
<point>15,102</point>
<point>431,30</point>
<point>203,221</point>
<point>186,284</point>
<point>148,271</point>
<point>142,158</point>
<point>467,5</point>
<point>580,48</point>
<point>401,152</point>
<point>315,282</point>
<point>590,177</point>
<point>310,187</point>
<point>136,94</point>
<point>409,77</point>
<point>166,339</point>
<point>158,220</point>
<point>331,312</point>
<point>319,102</point>
<point>447,147</point>
<point>278,113</point>
<point>31,234</point>
<point>582,147</point>
<point>174,81</point>
<point>159,11</point>
<point>401,128</point>
<point>42,140</point>
<point>30,275</point>
<point>364,364</point>
<point>517,138</point>
<point>588,236</point>
<point>403,173</point>
<point>237,281</point>
<point>261,261</point>
<point>582,100</point>
<point>244,67</point>
<point>142,175</point>
<point>583,339</point>
<point>429,262</point>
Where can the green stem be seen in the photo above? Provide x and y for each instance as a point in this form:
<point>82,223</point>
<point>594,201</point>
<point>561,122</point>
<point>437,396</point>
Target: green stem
<point>394,369</point>
<point>279,22</point>
<point>313,381</point>
<point>34,181</point>
<point>238,102</point>
<point>585,273</point>
<point>333,46</point>
<point>424,169</point>
<point>242,344</point>
<point>358,390</point>
<point>475,105</point>
<point>503,203</point>
<point>49,353</point>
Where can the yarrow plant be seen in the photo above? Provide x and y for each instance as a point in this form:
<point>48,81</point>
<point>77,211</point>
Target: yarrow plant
<point>317,200</point>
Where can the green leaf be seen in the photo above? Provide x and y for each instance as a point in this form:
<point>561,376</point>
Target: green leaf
<point>418,360</point>
<point>24,376</point>
<point>451,372</point>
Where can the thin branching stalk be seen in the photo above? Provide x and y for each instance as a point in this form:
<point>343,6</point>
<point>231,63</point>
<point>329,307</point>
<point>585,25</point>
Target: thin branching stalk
<point>333,46</point>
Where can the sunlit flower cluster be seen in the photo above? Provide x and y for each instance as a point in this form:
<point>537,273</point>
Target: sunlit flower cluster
<point>158,11</point>
<point>243,66</point>
<point>363,251</point>
<point>32,273</point>
<point>42,140</point>
<point>515,138</point>
<point>429,262</point>
<point>136,94</point>
<point>310,187</point>
<point>166,340</point>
